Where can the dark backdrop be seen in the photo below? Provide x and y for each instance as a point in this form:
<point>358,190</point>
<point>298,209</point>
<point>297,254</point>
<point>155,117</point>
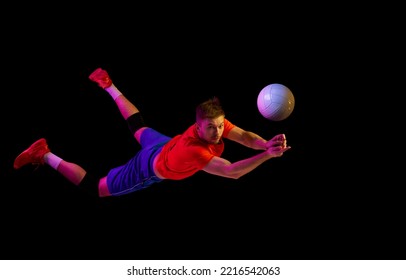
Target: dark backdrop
<point>327,198</point>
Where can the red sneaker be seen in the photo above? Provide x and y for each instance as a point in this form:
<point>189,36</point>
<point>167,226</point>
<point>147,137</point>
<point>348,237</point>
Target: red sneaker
<point>101,77</point>
<point>34,154</point>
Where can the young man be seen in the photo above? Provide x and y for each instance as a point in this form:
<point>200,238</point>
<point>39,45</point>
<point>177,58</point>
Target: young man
<point>162,157</point>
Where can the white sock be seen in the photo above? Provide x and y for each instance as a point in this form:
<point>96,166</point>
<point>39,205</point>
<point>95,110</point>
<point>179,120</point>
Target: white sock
<point>114,92</point>
<point>52,160</point>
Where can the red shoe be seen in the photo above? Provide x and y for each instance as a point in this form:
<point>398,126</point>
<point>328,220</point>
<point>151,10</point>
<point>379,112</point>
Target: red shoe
<point>34,154</point>
<point>101,77</point>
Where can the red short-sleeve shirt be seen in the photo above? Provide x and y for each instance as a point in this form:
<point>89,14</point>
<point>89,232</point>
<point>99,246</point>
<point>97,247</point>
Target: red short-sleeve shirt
<point>185,154</point>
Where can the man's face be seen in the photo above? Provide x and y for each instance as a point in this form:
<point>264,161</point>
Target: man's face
<point>211,130</point>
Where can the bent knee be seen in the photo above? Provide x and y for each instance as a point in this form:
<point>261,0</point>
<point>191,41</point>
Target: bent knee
<point>103,188</point>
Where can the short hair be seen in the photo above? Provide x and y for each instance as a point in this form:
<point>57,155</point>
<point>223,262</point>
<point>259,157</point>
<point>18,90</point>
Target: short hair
<point>209,109</point>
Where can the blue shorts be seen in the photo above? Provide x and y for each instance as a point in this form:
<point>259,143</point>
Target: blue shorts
<point>138,172</point>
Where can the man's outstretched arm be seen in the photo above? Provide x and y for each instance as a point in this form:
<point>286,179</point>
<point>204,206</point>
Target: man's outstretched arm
<point>222,167</point>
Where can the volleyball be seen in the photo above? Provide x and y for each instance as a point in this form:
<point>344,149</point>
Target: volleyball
<point>275,102</point>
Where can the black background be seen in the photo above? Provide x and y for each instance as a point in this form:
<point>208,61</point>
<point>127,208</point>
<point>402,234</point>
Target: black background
<point>331,196</point>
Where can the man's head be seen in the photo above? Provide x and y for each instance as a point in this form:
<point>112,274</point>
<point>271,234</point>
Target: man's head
<point>210,120</point>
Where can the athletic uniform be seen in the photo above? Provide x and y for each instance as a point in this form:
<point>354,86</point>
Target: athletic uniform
<point>179,157</point>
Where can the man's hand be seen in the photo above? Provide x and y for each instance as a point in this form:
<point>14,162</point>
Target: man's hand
<point>277,145</point>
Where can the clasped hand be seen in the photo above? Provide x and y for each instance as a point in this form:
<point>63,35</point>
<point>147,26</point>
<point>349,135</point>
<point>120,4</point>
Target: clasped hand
<point>277,145</point>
